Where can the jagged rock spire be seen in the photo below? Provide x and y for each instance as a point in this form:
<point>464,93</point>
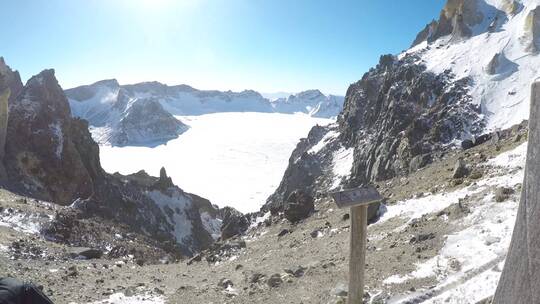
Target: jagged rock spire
<point>456,19</point>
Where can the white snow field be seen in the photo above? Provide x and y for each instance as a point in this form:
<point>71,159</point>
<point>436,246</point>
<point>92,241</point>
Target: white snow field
<point>233,159</point>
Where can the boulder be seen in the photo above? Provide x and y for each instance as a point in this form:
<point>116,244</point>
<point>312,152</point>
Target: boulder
<point>299,206</point>
<point>460,169</point>
<point>225,283</point>
<point>275,280</point>
<point>233,223</point>
<point>87,253</point>
<point>503,193</point>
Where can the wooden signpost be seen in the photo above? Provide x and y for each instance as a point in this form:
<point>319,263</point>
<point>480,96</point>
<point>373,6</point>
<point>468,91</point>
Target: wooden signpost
<point>358,201</point>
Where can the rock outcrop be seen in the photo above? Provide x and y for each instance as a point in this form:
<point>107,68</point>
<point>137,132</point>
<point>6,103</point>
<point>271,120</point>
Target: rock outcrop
<point>500,64</point>
<point>457,20</point>
<point>146,123</point>
<point>299,206</point>
<point>531,37</point>
<point>234,223</point>
<point>51,156</point>
<point>511,7</point>
<point>396,119</point>
<point>41,155</point>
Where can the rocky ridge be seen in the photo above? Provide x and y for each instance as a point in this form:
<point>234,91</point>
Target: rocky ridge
<point>396,119</point>
<point>51,156</point>
<point>112,108</point>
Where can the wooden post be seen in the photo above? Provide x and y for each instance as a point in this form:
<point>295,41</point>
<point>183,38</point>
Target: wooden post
<point>358,201</point>
<point>357,255</point>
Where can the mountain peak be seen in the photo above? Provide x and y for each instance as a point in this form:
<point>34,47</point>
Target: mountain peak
<point>457,19</point>
<point>112,83</point>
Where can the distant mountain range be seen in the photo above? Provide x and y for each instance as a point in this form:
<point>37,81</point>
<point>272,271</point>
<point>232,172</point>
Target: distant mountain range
<point>144,113</point>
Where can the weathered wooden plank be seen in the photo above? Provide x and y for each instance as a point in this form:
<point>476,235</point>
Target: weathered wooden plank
<point>356,197</point>
<point>357,255</point>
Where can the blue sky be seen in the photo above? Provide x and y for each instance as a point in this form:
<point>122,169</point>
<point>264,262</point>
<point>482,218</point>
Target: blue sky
<point>266,45</point>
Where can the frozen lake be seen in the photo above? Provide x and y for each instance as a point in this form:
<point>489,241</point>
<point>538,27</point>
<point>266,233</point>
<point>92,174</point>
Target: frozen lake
<point>233,159</point>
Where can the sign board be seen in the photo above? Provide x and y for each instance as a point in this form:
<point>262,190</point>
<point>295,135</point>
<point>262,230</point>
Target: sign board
<point>356,197</point>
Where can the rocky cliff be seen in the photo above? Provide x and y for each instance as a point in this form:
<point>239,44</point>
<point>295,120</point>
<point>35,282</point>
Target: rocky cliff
<point>395,120</point>
<point>458,19</point>
<point>41,156</point>
<point>51,156</point>
<point>467,73</point>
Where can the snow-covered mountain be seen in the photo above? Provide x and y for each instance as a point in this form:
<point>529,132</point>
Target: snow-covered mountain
<point>466,74</point>
<point>109,107</point>
<point>312,102</point>
<point>495,43</point>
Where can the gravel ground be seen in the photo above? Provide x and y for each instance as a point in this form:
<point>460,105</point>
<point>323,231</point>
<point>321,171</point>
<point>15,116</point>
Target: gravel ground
<point>307,264</point>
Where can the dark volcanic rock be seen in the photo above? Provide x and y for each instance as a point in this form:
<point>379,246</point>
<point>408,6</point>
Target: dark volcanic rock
<point>299,206</point>
<point>164,182</point>
<point>302,172</point>
<point>52,156</point>
<point>399,111</point>
<point>5,94</point>
<point>234,222</point>
<point>87,253</point>
<point>40,150</point>
<point>396,119</point>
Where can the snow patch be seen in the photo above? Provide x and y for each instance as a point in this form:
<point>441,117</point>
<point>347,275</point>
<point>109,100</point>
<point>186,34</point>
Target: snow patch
<point>120,298</point>
<point>327,138</point>
<point>174,208</point>
<point>56,129</point>
<point>23,222</point>
<point>211,224</point>
<point>343,160</point>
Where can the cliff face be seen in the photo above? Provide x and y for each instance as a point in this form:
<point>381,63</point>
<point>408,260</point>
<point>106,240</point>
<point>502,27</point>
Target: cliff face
<point>51,156</point>
<point>459,18</point>
<point>5,94</point>
<point>396,119</point>
<point>398,115</point>
<point>40,153</point>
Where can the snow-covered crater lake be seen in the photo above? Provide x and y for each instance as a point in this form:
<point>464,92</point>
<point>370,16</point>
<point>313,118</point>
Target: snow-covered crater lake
<point>233,159</point>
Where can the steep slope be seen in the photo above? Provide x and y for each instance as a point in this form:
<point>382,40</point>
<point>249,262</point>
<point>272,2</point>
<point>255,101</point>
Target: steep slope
<point>51,156</point>
<point>108,105</point>
<point>467,73</point>
<point>500,55</point>
<point>40,152</point>
<point>395,121</point>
